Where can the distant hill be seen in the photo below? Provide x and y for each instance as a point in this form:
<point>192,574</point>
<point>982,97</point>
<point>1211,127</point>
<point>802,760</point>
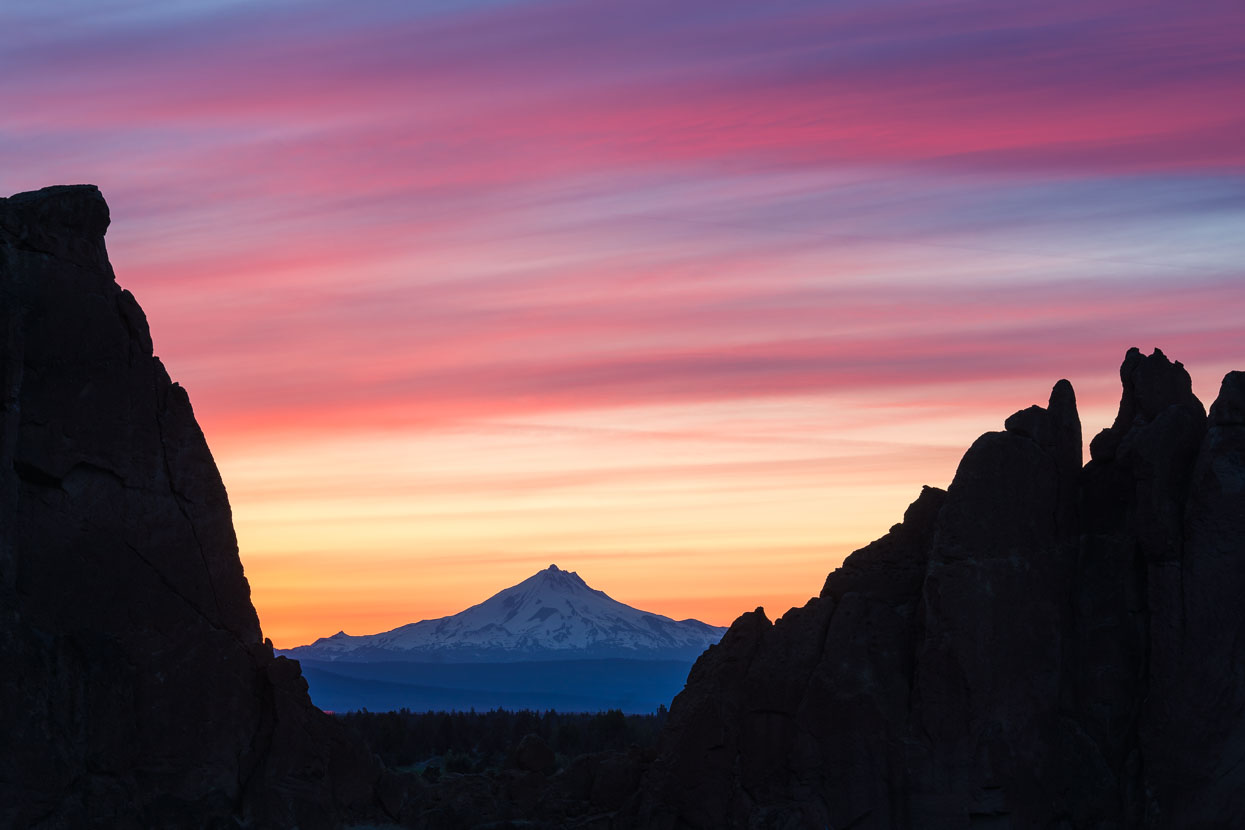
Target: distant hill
<point>550,642</point>
<point>632,686</point>
<point>552,615</point>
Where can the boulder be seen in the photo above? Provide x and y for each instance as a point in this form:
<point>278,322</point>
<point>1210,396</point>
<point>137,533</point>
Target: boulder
<point>532,754</point>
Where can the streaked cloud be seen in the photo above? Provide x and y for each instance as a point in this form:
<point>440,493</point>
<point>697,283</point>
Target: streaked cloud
<point>724,279</point>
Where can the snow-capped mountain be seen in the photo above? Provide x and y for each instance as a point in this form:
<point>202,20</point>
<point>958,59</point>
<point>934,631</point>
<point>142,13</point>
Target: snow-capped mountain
<point>552,615</point>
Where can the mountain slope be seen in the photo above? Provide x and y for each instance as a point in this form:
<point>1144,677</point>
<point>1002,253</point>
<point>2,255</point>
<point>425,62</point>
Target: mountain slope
<point>551,615</point>
<point>631,686</point>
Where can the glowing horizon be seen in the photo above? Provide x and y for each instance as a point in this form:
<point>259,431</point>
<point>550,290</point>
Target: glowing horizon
<point>691,300</point>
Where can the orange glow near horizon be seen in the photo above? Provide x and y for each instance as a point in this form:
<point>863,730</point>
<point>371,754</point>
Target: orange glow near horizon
<point>692,511</point>
<point>701,524</point>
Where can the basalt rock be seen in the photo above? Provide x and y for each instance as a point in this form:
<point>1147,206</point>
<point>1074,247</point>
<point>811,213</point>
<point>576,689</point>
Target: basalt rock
<point>1042,645</point>
<point>137,690</point>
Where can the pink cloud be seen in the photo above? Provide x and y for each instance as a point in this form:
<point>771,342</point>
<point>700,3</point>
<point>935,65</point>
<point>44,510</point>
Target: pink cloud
<point>545,89</point>
<point>400,216</point>
<point>499,367</point>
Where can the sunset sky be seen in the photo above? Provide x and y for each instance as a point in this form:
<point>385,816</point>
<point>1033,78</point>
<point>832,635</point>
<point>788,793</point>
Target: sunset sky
<point>689,297</point>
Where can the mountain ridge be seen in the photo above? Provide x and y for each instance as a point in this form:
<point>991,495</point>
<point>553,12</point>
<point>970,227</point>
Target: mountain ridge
<point>553,614</point>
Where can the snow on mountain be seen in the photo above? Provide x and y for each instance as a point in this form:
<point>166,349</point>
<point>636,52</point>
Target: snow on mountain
<point>549,616</point>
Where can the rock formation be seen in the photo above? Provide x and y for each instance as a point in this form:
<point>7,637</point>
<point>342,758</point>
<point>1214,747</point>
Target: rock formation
<point>137,690</point>
<point>1042,645</point>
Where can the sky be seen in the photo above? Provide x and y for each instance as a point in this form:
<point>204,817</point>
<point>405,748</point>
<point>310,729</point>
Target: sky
<point>690,298</point>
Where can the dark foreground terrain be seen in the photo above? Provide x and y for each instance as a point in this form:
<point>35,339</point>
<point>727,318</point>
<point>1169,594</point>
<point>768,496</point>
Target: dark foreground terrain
<point>1044,644</point>
<point>514,769</point>
<point>433,742</point>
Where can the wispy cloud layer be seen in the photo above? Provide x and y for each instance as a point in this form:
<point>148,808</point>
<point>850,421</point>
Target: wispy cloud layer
<point>422,224</point>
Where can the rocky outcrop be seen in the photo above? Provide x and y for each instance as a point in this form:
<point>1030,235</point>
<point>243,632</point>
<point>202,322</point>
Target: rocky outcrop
<point>1042,645</point>
<point>137,690</point>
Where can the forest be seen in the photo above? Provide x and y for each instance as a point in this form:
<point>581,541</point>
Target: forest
<point>431,743</point>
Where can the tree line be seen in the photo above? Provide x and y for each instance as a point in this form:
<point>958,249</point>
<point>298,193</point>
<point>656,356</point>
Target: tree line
<point>473,741</point>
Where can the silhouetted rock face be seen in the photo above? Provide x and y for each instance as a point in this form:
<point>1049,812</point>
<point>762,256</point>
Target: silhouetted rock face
<point>136,690</point>
<point>800,723</point>
<point>1044,645</point>
<point>1193,734</point>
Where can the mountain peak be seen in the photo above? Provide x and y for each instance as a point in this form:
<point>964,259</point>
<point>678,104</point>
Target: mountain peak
<point>553,614</point>
<point>555,577</point>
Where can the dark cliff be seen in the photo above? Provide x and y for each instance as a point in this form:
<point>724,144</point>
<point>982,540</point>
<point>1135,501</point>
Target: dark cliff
<point>1042,645</point>
<point>136,691</point>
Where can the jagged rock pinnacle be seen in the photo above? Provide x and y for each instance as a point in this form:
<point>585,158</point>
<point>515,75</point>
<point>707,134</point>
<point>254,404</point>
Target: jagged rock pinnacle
<point>1042,645</point>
